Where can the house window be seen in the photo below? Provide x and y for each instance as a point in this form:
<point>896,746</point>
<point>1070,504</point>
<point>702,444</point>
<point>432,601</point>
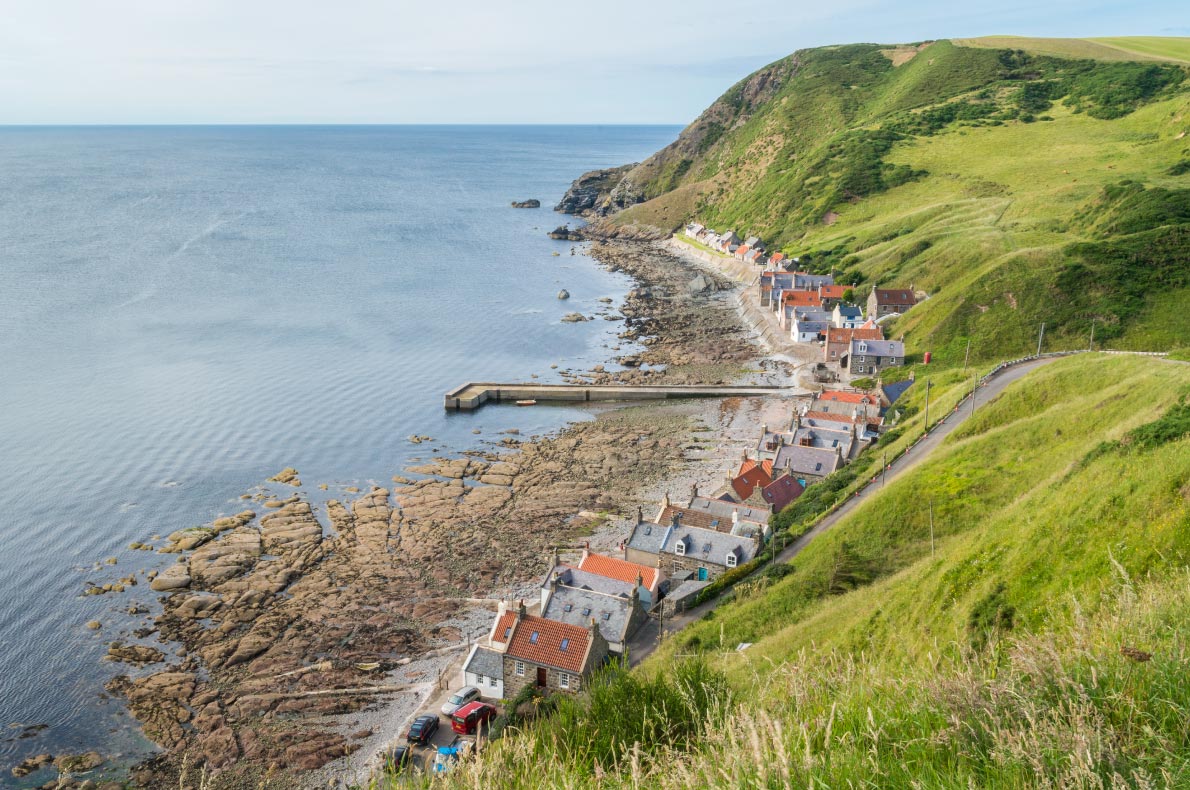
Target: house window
<point>533,638</point>
<point>731,559</point>
<point>563,680</point>
<point>680,547</point>
<point>586,612</point>
<point>568,607</point>
<point>565,644</point>
<point>519,668</point>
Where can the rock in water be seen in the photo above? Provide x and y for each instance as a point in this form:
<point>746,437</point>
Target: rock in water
<point>563,294</point>
<point>530,203</point>
<point>564,233</point>
<point>574,318</point>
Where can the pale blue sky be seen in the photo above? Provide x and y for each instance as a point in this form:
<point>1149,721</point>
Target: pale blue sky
<point>469,61</point>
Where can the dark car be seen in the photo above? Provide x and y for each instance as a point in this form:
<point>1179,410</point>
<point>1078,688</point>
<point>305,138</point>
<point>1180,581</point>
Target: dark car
<point>422,730</point>
<point>399,759</point>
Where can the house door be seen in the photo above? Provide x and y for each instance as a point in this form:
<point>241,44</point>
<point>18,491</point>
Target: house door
<point>541,677</point>
<point>702,574</point>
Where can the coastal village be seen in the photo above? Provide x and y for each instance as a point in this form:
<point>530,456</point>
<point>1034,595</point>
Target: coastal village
<point>593,608</point>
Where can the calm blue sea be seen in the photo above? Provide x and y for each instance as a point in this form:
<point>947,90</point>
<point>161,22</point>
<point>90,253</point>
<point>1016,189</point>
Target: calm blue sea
<point>185,311</point>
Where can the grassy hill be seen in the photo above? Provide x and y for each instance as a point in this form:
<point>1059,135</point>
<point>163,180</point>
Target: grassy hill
<point>1039,639</point>
<point>1019,181</point>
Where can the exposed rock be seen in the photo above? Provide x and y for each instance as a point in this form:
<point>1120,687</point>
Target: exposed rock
<point>592,192</point>
<point>94,625</point>
<point>137,655</point>
<point>175,577</point>
<point>530,203</point>
<point>574,318</point>
<point>565,233</point>
<point>77,763</point>
<point>563,294</point>
<point>32,764</point>
<point>288,475</point>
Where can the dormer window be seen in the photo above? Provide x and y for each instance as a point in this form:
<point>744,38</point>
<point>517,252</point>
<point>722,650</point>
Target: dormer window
<point>586,612</point>
<point>607,616</point>
<point>862,348</point>
<point>680,547</point>
<point>731,559</point>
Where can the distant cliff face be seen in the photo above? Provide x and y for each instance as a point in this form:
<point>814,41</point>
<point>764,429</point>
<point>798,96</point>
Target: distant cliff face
<point>594,194</point>
<point>601,193</point>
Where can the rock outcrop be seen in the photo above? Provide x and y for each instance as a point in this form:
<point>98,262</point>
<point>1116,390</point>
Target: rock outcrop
<point>566,233</point>
<point>598,193</point>
<point>530,203</point>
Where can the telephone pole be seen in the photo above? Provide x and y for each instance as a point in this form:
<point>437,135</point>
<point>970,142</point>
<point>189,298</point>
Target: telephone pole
<point>1091,345</point>
<point>884,471</point>
<point>967,355</point>
<point>974,389</point>
<point>926,427</point>
<point>1040,337</point>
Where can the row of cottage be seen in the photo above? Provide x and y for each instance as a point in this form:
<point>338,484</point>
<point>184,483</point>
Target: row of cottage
<point>589,609</point>
<point>812,308</point>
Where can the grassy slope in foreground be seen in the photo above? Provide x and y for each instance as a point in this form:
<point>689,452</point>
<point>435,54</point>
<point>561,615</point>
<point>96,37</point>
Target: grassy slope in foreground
<point>993,660</point>
<point>978,175</point>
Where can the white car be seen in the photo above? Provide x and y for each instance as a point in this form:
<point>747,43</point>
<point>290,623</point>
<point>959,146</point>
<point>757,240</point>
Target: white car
<point>464,696</point>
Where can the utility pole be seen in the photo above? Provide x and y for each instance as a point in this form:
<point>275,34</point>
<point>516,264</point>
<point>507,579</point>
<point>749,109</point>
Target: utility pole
<point>1040,336</point>
<point>926,427</point>
<point>884,470</point>
<point>1091,346</point>
<point>974,388</point>
<point>967,355</point>
<point>931,526</point>
<point>660,621</point>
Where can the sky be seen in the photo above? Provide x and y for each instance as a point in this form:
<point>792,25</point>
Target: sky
<point>463,61</point>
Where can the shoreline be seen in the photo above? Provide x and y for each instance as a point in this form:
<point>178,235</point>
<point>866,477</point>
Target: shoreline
<point>247,687</point>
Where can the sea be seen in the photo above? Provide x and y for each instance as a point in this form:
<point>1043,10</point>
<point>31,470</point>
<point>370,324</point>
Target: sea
<point>185,311</point>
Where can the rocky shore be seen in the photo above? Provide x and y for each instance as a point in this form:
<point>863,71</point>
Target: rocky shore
<point>305,632</point>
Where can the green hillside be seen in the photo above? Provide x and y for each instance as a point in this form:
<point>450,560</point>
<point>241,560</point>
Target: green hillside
<point>1015,187</point>
<point>1039,640</point>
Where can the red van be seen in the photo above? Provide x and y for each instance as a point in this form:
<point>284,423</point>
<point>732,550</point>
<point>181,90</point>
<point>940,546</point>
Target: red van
<point>469,718</point>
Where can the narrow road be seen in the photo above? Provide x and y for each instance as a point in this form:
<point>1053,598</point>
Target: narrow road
<point>645,641</point>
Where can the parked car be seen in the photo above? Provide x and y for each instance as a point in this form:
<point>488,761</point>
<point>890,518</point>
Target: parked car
<point>399,759</point>
<point>460,698</point>
<point>422,730</point>
<point>472,717</point>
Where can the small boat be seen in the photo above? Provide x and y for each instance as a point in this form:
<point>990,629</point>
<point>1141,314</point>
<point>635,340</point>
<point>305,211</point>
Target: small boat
<point>526,403</point>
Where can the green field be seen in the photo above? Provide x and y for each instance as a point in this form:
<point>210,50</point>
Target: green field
<point>1120,48</point>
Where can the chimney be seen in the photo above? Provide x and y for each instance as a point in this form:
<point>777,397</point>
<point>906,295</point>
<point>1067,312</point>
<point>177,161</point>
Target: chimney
<point>640,515</point>
<point>520,609</point>
<point>586,553</point>
<point>554,558</point>
<point>693,492</point>
<point>665,500</point>
<point>676,519</point>
<point>735,519</point>
<point>501,608</point>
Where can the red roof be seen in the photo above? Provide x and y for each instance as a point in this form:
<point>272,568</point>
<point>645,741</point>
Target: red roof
<point>550,643</point>
<point>781,492</point>
<point>751,476</point>
<point>620,570</point>
<point>801,299</point>
<point>847,397</point>
<point>743,250</point>
<point>837,335</point>
<point>504,625</point>
<point>832,291</point>
<point>777,256</point>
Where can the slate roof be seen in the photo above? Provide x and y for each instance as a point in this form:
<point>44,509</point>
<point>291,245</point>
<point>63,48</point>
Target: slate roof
<point>806,460</point>
<point>897,389</point>
<point>826,438</point>
<point>880,348</point>
<point>576,607</point>
<point>710,546</point>
<point>550,643</point>
<point>621,570</point>
<point>847,311</point>
<point>647,537</point>
<point>717,507</point>
<point>485,662</point>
